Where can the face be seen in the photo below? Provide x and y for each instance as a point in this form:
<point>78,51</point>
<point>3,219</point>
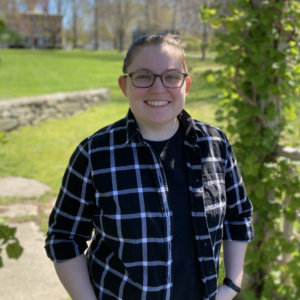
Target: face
<point>156,105</point>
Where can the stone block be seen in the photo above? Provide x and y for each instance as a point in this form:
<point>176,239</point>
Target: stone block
<point>73,107</point>
<point>7,124</point>
<point>31,110</point>
<point>6,114</point>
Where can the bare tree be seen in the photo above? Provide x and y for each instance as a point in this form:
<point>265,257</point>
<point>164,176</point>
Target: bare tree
<point>174,5</point>
<point>53,26</point>
<point>74,22</point>
<point>96,24</point>
<point>59,7</point>
<point>99,9</point>
<point>158,16</point>
<point>188,17</point>
<point>122,14</point>
<point>205,29</point>
<point>147,15</point>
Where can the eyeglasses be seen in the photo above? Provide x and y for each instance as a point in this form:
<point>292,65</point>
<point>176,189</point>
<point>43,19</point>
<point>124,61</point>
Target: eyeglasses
<point>171,80</point>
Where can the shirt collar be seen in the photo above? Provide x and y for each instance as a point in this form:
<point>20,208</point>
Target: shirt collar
<point>191,131</point>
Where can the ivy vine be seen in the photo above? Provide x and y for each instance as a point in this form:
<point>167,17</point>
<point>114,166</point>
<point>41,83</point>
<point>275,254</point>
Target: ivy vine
<point>258,46</point>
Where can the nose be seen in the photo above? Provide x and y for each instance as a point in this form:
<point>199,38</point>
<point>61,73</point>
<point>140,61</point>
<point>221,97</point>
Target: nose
<point>157,87</point>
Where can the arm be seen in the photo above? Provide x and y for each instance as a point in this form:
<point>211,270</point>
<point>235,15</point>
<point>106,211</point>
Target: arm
<point>234,254</point>
<point>74,276</point>
<point>71,226</point>
<point>238,228</point>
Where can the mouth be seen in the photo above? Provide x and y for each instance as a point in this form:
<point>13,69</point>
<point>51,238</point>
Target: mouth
<point>157,103</point>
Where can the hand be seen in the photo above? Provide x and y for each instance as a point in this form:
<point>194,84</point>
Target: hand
<point>225,293</point>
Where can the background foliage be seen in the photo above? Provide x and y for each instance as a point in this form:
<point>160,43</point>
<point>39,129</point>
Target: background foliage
<point>7,35</point>
<point>259,86</point>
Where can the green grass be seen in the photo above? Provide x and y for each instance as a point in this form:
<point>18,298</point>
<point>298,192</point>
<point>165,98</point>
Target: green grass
<point>42,151</point>
<point>33,72</point>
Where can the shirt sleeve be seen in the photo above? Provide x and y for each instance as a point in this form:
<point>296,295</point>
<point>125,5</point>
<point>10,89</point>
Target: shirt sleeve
<point>238,221</point>
<point>71,220</point>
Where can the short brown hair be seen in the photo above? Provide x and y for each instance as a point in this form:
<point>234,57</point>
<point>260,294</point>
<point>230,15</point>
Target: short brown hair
<point>153,40</point>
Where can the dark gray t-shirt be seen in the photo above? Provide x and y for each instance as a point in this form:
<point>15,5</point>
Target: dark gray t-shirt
<point>187,280</point>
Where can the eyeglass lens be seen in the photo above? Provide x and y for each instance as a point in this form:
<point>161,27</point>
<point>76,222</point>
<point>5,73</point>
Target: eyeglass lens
<point>171,80</point>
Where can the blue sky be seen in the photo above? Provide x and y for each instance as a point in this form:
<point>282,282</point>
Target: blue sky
<point>52,10</point>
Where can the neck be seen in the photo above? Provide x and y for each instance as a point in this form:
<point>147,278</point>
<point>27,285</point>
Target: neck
<point>158,132</point>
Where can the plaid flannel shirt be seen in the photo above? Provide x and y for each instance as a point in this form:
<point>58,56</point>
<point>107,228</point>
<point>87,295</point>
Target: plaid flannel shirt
<point>115,184</point>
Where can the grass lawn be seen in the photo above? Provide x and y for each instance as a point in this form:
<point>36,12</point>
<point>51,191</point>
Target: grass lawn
<point>34,72</point>
<point>42,151</point>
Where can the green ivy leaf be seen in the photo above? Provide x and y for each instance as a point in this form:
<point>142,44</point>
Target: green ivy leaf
<point>6,232</point>
<point>14,250</point>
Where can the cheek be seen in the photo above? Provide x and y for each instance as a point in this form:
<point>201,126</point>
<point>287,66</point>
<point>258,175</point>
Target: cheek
<point>135,94</point>
<point>180,96</point>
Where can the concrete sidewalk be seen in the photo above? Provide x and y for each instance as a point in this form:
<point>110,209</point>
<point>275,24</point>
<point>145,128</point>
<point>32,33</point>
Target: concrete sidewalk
<point>32,275</point>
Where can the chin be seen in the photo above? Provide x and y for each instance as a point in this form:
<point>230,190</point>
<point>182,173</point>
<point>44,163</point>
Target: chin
<point>161,121</point>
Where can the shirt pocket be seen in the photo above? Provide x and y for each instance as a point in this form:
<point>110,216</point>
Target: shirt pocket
<point>214,194</point>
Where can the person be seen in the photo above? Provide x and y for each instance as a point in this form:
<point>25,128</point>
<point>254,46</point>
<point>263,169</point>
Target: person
<point>156,191</point>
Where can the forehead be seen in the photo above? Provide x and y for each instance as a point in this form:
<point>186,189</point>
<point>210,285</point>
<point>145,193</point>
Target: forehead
<point>157,59</point>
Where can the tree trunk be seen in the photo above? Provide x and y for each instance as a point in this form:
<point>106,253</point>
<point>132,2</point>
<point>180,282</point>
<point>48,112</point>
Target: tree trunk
<point>174,16</point>
<point>58,6</point>
<point>204,41</point>
<point>74,24</point>
<point>147,16</point>
<point>96,23</point>
<point>274,125</point>
<point>121,40</point>
<point>204,36</point>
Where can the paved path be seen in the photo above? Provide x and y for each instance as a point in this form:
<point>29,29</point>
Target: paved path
<point>21,187</point>
<point>32,276</point>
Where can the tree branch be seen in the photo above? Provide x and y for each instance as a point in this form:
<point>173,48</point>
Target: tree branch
<point>288,152</point>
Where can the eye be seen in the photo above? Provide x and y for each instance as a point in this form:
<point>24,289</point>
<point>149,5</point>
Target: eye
<point>172,76</point>
<point>142,76</point>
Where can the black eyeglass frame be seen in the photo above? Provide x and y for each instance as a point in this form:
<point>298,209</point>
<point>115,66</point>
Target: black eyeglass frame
<point>156,75</point>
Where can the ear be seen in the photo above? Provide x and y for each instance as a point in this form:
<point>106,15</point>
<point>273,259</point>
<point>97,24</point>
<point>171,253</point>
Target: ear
<point>122,84</point>
<point>188,82</point>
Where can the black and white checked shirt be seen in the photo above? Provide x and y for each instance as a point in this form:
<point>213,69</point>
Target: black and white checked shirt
<point>116,185</point>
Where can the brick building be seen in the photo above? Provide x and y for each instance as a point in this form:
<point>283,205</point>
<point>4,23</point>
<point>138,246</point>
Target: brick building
<point>38,29</point>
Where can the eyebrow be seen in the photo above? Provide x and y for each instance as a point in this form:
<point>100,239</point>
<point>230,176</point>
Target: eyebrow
<point>150,71</point>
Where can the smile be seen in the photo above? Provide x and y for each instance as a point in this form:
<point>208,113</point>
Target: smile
<point>157,103</point>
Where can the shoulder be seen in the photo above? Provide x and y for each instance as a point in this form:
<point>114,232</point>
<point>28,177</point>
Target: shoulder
<point>211,132</point>
<point>103,137</point>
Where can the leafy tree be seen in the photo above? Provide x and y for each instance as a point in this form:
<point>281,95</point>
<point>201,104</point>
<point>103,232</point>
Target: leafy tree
<point>259,49</point>
<point>7,35</point>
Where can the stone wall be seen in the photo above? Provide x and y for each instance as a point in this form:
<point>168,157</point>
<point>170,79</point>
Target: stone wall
<point>32,110</point>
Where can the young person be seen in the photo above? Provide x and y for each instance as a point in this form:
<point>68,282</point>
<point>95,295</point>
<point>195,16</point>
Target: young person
<point>160,190</point>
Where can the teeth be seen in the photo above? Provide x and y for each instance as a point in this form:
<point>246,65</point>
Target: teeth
<point>157,103</point>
